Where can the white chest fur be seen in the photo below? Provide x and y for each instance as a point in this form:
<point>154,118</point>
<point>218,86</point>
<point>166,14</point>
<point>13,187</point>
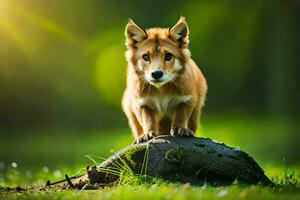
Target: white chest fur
<point>164,102</point>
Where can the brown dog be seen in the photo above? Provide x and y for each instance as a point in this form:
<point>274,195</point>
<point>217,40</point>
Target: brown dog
<point>165,88</point>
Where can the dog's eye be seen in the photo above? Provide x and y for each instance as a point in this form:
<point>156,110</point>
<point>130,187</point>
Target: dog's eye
<point>146,57</point>
<point>168,56</point>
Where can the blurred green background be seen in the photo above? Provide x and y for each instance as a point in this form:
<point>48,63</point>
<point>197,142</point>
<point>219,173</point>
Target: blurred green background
<point>62,73</point>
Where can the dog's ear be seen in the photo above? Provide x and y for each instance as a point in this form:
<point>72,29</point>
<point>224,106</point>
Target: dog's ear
<point>180,33</point>
<point>134,34</point>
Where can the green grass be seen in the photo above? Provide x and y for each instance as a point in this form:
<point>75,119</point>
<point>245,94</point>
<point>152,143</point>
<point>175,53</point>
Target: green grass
<point>42,154</point>
<point>163,190</point>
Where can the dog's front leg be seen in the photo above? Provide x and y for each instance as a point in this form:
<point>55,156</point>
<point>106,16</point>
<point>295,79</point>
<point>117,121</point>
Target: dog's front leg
<point>149,124</point>
<point>180,120</point>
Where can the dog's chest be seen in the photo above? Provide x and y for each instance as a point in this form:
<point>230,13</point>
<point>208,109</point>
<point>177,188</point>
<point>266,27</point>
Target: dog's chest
<point>163,102</point>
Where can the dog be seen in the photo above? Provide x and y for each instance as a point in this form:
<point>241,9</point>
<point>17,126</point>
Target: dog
<point>165,89</point>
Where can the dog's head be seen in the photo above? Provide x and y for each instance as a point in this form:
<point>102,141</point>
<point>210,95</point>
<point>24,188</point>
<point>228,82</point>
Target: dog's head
<point>158,54</point>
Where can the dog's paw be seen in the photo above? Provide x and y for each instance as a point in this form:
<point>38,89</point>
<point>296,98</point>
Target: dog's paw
<point>144,138</point>
<point>182,132</point>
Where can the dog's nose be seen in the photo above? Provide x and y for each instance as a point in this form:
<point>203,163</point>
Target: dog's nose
<point>157,74</point>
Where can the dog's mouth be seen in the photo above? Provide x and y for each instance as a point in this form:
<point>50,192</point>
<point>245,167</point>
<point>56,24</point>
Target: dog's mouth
<point>157,83</point>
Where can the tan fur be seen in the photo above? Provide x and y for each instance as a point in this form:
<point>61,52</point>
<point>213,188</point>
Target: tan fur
<point>173,105</point>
